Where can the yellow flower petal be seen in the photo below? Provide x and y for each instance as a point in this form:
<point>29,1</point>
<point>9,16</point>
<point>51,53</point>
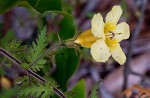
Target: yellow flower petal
<point>98,26</point>
<point>109,26</point>
<point>111,43</point>
<point>122,31</point>
<point>114,14</point>
<point>86,39</point>
<point>86,45</point>
<point>100,51</point>
<point>118,54</point>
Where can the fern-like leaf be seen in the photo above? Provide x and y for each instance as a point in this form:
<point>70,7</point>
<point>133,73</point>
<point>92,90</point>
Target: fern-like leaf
<point>23,82</point>
<point>17,50</point>
<point>70,94</point>
<point>42,91</point>
<point>37,49</point>
<point>94,92</point>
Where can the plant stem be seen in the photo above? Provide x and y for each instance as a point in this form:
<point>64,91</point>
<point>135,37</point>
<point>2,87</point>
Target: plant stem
<point>46,52</point>
<point>127,69</point>
<point>67,43</point>
<point>30,72</point>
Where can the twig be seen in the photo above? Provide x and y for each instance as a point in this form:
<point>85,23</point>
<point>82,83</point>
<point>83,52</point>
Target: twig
<point>67,43</point>
<point>46,52</point>
<point>30,72</point>
<point>127,69</point>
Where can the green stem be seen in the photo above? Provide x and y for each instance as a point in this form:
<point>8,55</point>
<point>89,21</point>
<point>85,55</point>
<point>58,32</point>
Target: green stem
<point>67,43</point>
<point>30,72</point>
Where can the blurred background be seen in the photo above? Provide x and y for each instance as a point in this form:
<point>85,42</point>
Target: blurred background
<point>130,80</point>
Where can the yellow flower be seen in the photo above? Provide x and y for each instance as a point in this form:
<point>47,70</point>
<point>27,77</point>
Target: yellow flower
<point>103,38</point>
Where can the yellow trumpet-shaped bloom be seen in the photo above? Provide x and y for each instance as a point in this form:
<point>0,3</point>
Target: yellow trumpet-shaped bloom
<point>103,38</point>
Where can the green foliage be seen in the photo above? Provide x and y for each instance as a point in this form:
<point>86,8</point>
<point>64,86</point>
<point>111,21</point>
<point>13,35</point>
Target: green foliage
<point>6,39</point>
<point>25,65</point>
<point>67,7</point>
<point>39,5</point>
<point>24,82</point>
<point>8,93</point>
<point>66,66</point>
<point>13,45</point>
<point>94,92</point>
<point>42,91</point>
<point>66,63</point>
<point>45,5</point>
<point>70,94</point>
<point>33,88</point>
<point>5,5</point>
<point>67,27</point>
<point>124,7</point>
<point>37,49</point>
<point>18,51</point>
<point>80,89</point>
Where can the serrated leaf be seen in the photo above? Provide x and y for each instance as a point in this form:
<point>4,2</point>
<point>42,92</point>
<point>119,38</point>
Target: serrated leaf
<point>25,65</point>
<point>70,94</point>
<point>37,49</point>
<point>94,92</point>
<point>37,91</point>
<point>21,79</point>
<point>24,83</point>
<point>18,51</point>
<point>39,65</point>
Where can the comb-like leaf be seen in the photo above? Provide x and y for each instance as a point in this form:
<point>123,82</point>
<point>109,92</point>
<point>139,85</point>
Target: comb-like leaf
<point>42,91</point>
<point>94,92</point>
<point>37,49</point>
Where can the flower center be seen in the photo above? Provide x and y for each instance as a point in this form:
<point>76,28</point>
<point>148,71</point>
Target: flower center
<point>109,26</point>
<point>111,43</point>
<point>109,34</point>
<point>109,30</point>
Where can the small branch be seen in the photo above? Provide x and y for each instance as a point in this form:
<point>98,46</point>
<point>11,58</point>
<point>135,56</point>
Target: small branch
<point>137,74</point>
<point>30,72</point>
<point>46,52</point>
<point>67,43</point>
<point>127,69</point>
